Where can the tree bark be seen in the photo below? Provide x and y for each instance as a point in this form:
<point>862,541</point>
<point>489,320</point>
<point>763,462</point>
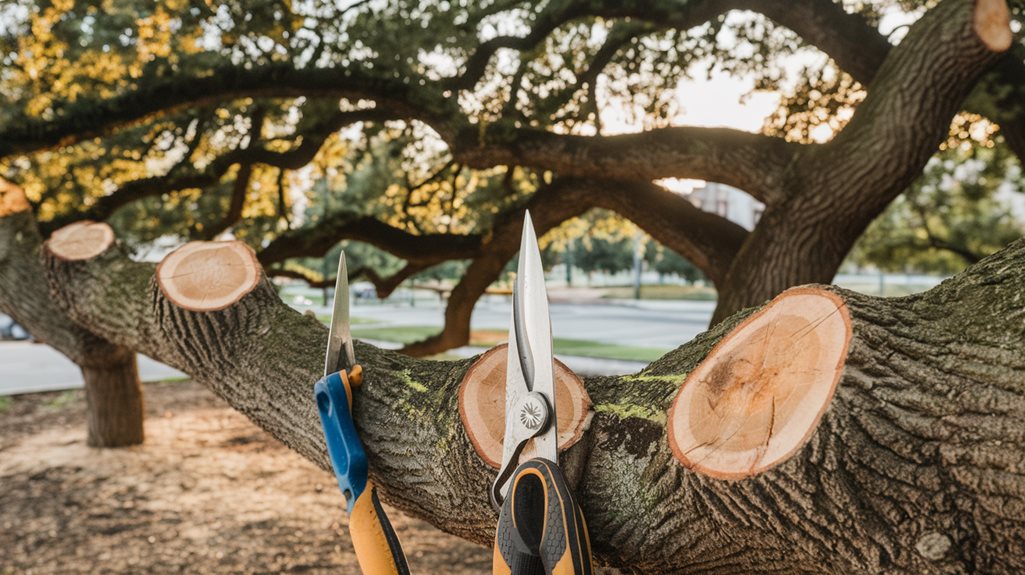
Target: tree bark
<point>915,465</point>
<point>114,405</point>
<point>113,393</point>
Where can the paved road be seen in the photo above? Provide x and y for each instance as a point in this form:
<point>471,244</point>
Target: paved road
<point>655,324</point>
<point>660,324</point>
<point>26,367</point>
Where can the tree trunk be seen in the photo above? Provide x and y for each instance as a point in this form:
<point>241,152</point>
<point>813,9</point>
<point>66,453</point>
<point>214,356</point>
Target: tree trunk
<point>913,463</point>
<point>114,406</point>
<point>835,190</point>
<point>113,392</point>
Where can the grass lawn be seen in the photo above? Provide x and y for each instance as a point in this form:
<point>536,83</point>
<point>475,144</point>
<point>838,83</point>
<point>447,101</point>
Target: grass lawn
<point>325,318</point>
<point>663,292</point>
<point>889,290</point>
<point>396,334</point>
<point>491,338</point>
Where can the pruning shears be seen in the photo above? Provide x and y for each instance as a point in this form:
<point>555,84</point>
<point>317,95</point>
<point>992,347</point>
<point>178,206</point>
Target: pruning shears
<point>377,547</point>
<point>540,527</point>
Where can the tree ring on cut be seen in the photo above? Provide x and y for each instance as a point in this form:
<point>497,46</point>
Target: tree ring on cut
<point>760,393</point>
<point>482,405</point>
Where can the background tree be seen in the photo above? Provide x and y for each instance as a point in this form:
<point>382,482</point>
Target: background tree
<point>669,263</point>
<point>441,124</point>
<point>951,216</point>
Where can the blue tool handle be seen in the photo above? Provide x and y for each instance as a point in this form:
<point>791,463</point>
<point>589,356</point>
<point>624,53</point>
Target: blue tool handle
<point>348,458</point>
<point>378,550</point>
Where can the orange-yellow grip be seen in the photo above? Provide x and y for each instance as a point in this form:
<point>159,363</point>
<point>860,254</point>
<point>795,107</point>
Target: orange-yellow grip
<point>378,550</point>
<point>541,530</point>
<point>377,547</point>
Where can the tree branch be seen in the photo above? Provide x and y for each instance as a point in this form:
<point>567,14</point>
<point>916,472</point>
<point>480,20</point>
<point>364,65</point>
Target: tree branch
<point>177,179</point>
<point>88,118</point>
<point>754,163</point>
<point>708,240</point>
<point>20,296</point>
<point>236,204</point>
<point>899,126</point>
<point>317,239</point>
<point>384,285</point>
<point>551,17</point>
<point>894,421</point>
<point>887,143</point>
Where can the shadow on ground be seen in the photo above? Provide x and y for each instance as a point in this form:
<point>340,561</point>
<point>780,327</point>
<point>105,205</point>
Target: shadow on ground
<point>208,493</point>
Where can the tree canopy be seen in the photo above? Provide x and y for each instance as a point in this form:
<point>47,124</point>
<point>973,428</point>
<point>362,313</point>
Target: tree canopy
<point>424,129</point>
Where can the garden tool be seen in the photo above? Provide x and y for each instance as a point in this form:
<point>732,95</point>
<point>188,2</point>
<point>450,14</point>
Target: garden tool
<point>377,547</point>
<point>540,528</point>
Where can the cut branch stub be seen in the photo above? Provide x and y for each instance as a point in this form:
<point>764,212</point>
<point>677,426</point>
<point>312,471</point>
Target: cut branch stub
<point>760,393</point>
<point>80,241</point>
<point>992,20</point>
<point>482,405</point>
<point>208,276</point>
<point>12,199</point>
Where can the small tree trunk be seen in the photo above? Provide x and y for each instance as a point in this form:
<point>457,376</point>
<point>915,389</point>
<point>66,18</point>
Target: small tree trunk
<point>113,393</point>
<point>114,406</point>
<point>112,390</point>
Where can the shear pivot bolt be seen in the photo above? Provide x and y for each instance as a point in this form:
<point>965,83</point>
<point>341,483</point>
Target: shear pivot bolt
<point>533,413</point>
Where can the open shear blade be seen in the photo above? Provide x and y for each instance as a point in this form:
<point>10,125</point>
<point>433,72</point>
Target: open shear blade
<point>340,354</point>
<point>530,380</point>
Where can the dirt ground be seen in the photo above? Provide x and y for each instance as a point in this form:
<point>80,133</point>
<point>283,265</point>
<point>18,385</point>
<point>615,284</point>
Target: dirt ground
<point>208,493</point>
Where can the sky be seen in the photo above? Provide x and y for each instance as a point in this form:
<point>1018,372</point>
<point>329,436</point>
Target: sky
<point>727,101</point>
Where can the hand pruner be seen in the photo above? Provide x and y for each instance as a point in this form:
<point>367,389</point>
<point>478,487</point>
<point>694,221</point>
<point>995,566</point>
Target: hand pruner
<point>540,527</point>
<point>377,547</point>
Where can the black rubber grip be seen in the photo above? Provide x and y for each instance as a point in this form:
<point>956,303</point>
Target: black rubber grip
<point>389,532</point>
<point>541,529</point>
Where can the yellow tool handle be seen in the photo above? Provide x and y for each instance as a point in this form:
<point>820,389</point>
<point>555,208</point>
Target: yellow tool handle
<point>541,530</point>
<point>377,547</point>
<point>378,550</point>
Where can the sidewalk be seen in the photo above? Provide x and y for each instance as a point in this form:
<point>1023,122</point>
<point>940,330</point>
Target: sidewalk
<point>30,367</point>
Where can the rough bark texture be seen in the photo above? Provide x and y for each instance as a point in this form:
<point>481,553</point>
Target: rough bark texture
<point>112,386</point>
<point>916,466</point>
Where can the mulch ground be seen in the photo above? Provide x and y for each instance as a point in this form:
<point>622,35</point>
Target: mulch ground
<point>209,492</point>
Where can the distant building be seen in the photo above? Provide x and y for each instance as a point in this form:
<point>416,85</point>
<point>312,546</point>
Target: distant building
<point>728,202</point>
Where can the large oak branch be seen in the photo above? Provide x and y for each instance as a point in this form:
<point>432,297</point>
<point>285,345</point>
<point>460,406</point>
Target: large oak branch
<point>912,463</point>
<point>753,162</point>
<point>837,189</point>
<point>89,117</point>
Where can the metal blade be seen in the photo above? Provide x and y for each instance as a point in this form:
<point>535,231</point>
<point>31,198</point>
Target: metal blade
<point>340,354</point>
<point>532,332</point>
